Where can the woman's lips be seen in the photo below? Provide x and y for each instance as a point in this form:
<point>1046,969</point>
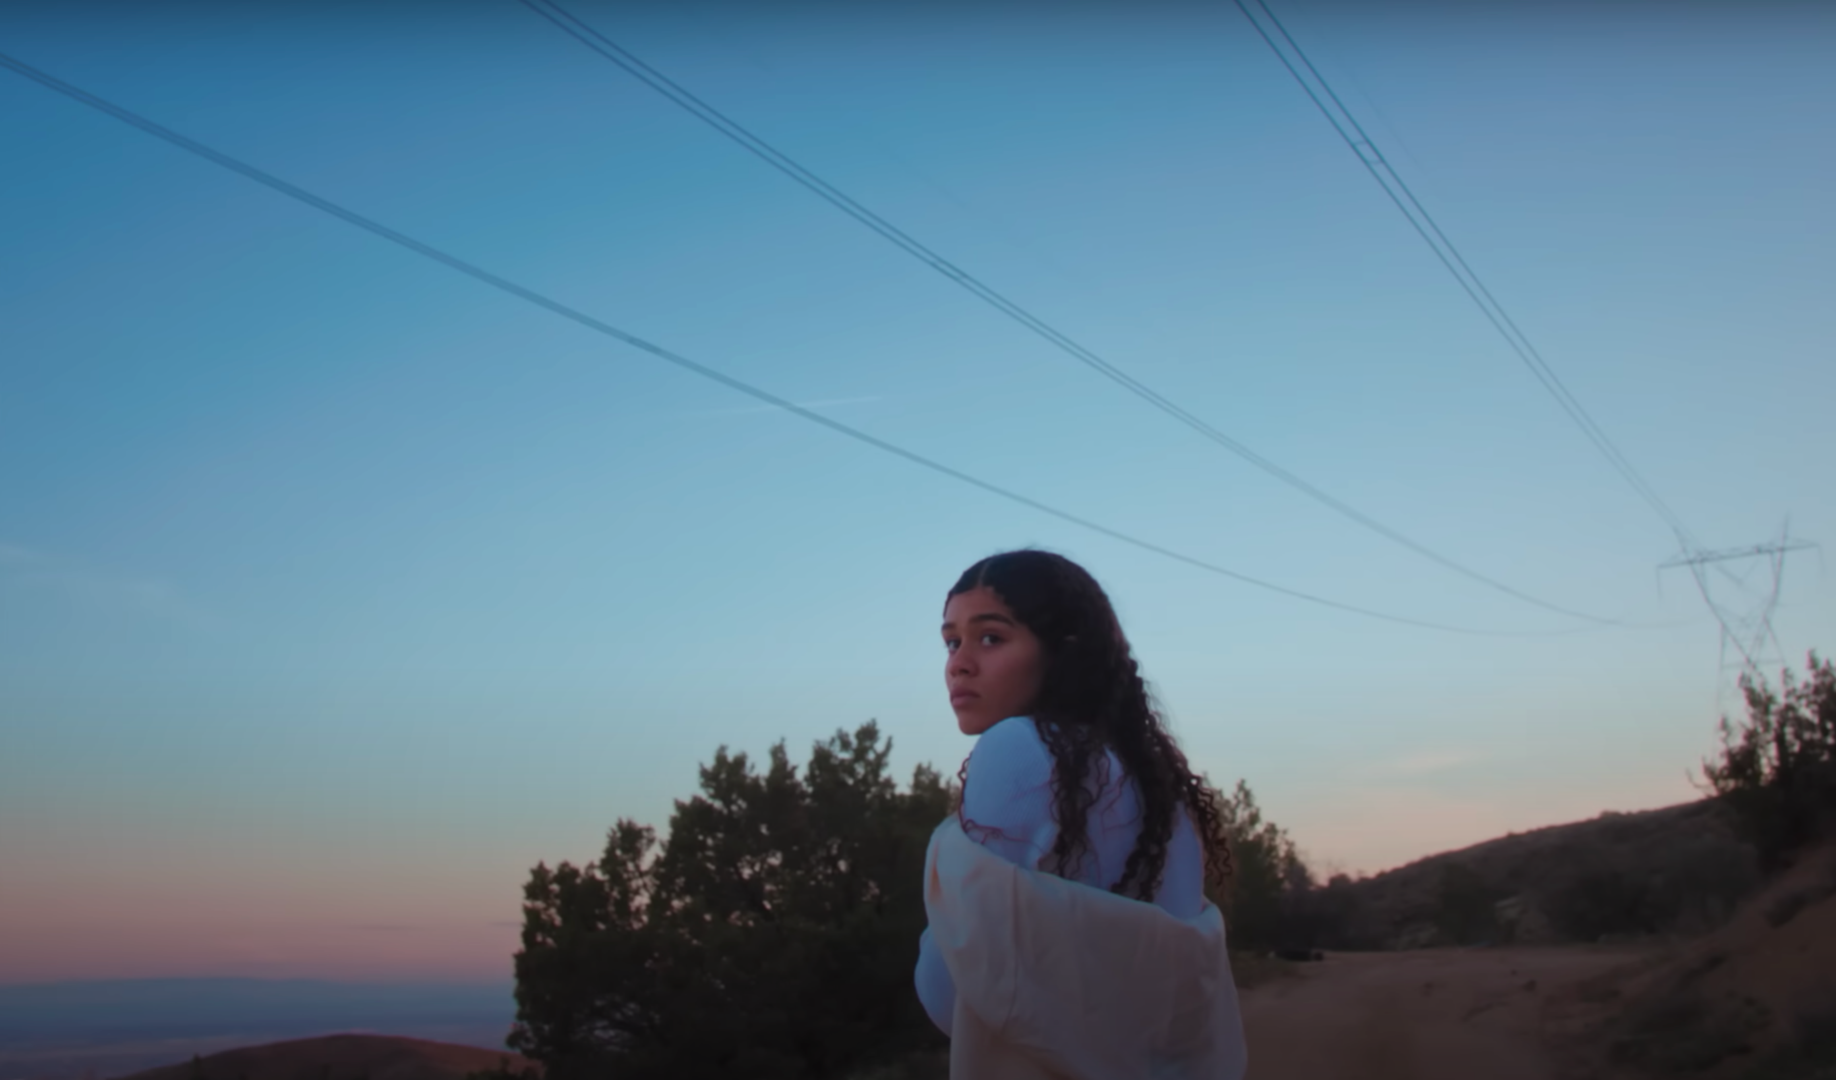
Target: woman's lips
<point>962,696</point>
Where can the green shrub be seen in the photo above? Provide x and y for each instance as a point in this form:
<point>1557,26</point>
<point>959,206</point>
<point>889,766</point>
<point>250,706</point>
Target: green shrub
<point>1777,771</point>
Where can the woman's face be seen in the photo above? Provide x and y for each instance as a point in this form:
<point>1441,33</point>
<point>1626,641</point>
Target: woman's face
<point>995,664</point>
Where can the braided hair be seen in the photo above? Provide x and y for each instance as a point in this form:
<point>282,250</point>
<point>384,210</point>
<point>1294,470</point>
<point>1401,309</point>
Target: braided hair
<point>1092,699</point>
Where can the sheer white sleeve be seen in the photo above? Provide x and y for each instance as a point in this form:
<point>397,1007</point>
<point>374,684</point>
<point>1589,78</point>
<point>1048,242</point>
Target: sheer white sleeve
<point>1007,807</point>
<point>936,991</point>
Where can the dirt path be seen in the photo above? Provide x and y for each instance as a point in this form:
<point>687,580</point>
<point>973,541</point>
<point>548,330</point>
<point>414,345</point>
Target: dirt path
<point>1443,1014</point>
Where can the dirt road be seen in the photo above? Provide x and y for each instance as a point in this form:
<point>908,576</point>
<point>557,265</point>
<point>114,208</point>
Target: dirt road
<point>1444,1014</point>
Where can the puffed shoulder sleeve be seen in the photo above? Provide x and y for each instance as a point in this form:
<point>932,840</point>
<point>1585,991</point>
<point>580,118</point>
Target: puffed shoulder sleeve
<point>1007,793</point>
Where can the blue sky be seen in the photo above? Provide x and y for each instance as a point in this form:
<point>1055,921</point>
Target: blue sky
<point>337,589</point>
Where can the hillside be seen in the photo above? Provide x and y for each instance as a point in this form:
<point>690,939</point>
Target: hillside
<point>1676,870</point>
<point>341,1057</point>
<point>1753,1000</point>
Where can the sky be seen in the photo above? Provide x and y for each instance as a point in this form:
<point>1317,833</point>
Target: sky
<point>338,589</point>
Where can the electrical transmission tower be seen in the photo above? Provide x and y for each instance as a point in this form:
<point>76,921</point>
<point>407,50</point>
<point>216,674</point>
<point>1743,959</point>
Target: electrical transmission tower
<point>1748,642</point>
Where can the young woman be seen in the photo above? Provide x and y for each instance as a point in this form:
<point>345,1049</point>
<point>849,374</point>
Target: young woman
<point>1067,894</point>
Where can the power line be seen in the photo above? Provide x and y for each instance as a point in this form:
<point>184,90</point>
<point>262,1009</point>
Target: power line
<point>1747,632</point>
<point>593,39</point>
<point>556,307</point>
<point>1374,161</point>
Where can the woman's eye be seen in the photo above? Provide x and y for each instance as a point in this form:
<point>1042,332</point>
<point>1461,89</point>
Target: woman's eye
<point>990,639</point>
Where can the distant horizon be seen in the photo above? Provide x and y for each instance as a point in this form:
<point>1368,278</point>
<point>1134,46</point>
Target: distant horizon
<point>110,1027</point>
<point>507,982</point>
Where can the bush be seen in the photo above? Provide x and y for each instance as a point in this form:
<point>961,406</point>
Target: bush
<point>1266,905</point>
<point>1468,906</point>
<point>772,934</point>
<point>1603,901</point>
<point>1777,771</point>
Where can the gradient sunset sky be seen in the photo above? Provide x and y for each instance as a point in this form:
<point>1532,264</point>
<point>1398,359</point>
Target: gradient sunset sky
<point>337,589</point>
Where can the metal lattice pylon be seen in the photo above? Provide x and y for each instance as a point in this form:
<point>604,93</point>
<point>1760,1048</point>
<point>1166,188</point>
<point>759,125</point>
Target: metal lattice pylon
<point>1749,645</point>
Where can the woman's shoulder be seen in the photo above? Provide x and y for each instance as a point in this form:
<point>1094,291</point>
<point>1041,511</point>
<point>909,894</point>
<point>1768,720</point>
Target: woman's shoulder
<point>1011,754</point>
<point>1014,733</point>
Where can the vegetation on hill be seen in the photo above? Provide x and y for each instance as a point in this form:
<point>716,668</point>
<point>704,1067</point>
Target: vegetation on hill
<point>1753,1000</point>
<point>1777,771</point>
<point>771,934</point>
<point>1267,875</point>
<point>1677,870</point>
<point>773,931</point>
<point>1681,870</point>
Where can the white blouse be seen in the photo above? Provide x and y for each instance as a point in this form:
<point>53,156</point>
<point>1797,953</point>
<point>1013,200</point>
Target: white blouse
<point>1008,793</point>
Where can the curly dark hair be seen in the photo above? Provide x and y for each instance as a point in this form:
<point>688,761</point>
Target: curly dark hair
<point>1092,699</point>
